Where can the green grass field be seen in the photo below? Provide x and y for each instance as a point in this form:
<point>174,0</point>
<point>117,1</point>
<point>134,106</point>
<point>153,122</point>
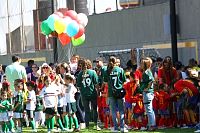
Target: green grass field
<point>172,130</point>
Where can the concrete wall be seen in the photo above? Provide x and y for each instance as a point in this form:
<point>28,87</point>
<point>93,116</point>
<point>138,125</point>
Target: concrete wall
<point>128,28</point>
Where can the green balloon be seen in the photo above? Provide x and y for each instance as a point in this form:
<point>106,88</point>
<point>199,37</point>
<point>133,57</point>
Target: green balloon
<point>79,41</point>
<point>45,28</point>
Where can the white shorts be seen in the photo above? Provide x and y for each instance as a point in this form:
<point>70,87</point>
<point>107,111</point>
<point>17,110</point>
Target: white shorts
<point>64,108</point>
<point>38,115</point>
<point>4,116</point>
<point>17,115</point>
<point>10,113</point>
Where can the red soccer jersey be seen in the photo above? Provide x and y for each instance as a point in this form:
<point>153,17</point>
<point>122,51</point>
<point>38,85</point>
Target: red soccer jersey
<point>104,97</point>
<point>155,100</point>
<point>139,107</point>
<point>138,74</point>
<point>163,100</point>
<point>186,84</point>
<point>130,89</point>
<point>167,77</point>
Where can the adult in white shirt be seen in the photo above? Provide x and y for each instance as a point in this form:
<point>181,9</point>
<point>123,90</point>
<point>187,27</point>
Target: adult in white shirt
<point>15,71</point>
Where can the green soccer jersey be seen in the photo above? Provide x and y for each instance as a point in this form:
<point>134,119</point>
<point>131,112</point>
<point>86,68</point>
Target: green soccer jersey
<point>147,78</point>
<point>18,100</point>
<point>115,79</point>
<point>7,106</point>
<point>102,75</point>
<point>86,82</point>
<point>39,105</point>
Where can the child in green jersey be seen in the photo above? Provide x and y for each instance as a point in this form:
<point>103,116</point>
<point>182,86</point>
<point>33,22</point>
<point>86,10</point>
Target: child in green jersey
<point>4,107</point>
<point>6,87</point>
<point>18,103</point>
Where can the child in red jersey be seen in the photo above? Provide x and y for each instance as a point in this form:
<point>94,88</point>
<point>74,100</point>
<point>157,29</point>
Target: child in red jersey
<point>105,107</point>
<point>190,93</point>
<point>138,111</point>
<point>163,105</point>
<point>155,104</point>
<point>130,88</point>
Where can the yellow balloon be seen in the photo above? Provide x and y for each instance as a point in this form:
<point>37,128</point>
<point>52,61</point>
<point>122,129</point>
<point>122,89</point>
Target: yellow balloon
<point>59,26</point>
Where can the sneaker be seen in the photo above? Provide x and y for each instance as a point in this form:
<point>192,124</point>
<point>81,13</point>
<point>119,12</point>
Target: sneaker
<point>143,129</point>
<point>19,130</point>
<point>13,130</point>
<point>54,130</point>
<point>110,128</point>
<point>152,128</point>
<point>197,131</point>
<point>113,130</point>
<point>135,128</point>
<point>76,130</point>
<point>97,128</point>
<point>161,127</point>
<point>35,130</point>
<point>184,127</point>
<point>124,130</point>
<point>82,126</point>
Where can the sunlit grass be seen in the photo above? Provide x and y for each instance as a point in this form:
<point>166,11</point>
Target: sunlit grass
<point>172,130</point>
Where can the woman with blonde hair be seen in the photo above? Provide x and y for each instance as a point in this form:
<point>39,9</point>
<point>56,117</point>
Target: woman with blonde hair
<point>146,87</point>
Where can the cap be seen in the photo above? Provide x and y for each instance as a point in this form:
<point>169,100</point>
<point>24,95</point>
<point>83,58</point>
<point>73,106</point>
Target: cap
<point>98,59</point>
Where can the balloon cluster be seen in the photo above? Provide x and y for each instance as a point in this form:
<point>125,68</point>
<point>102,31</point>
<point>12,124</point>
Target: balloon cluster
<point>69,26</point>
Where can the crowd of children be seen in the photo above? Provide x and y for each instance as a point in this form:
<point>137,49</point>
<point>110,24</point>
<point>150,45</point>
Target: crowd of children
<point>48,98</point>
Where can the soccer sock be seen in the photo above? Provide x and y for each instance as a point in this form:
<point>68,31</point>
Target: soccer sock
<point>66,120</point>
<point>60,123</point>
<point>111,122</point>
<point>11,124</point>
<point>106,120</point>
<point>52,122</point>
<point>48,123</point>
<point>32,122</point>
<point>70,122</point>
<point>129,117</point>
<point>4,126</point>
<point>192,116</point>
<point>161,122</point>
<point>75,121</point>
<point>187,116</point>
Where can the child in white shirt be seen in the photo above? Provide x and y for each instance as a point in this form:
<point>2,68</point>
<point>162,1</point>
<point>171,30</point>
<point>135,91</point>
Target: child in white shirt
<point>50,101</point>
<point>70,91</point>
<point>31,103</point>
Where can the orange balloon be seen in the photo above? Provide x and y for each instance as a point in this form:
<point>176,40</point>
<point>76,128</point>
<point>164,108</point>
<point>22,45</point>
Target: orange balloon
<point>64,39</point>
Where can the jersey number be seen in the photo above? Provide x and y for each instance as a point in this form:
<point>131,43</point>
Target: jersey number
<point>86,82</point>
<point>114,79</point>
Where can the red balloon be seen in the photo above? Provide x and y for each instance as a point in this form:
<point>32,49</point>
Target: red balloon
<point>59,14</point>
<point>80,32</point>
<point>64,39</point>
<point>71,13</point>
<point>63,11</point>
